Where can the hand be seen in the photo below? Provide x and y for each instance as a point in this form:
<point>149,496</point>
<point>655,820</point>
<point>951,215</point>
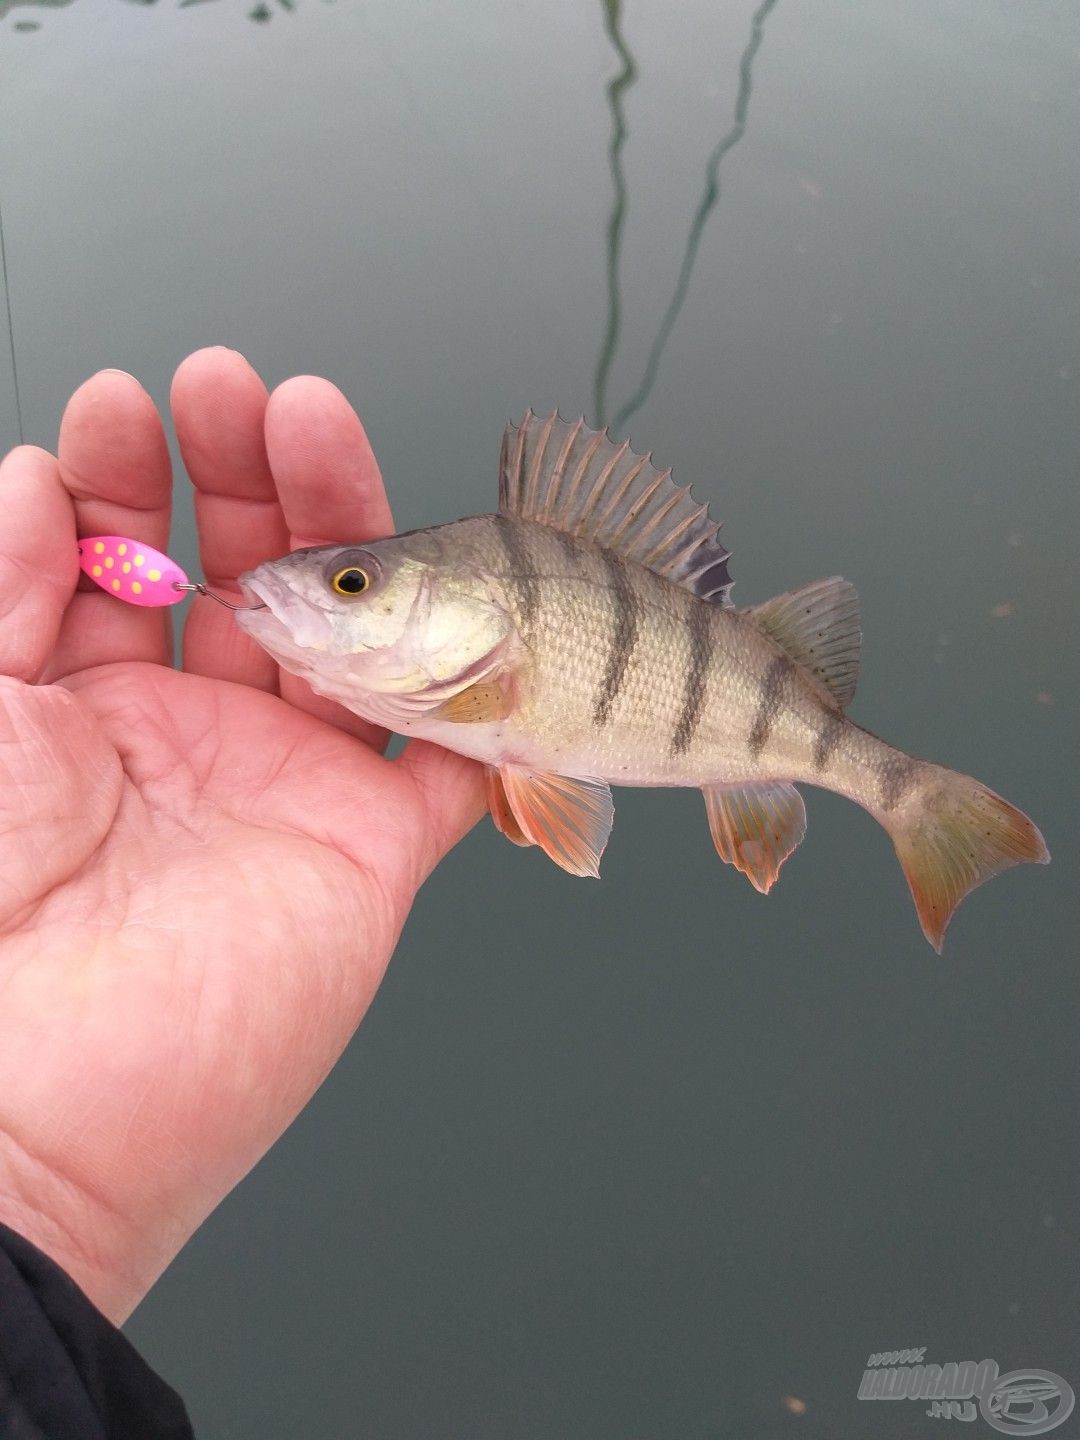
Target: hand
<point>203,872</point>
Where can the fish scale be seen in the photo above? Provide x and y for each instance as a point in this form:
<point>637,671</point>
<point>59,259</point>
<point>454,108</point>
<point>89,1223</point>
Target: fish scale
<point>584,637</point>
<point>580,693</point>
<point>571,649</point>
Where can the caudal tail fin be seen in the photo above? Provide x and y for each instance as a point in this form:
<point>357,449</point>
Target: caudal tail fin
<point>952,835</point>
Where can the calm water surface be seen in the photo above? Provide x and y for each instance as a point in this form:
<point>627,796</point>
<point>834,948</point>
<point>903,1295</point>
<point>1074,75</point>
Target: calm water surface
<point>639,1159</point>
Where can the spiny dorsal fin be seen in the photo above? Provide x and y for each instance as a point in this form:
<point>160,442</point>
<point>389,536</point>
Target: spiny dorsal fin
<point>819,627</point>
<point>561,473</point>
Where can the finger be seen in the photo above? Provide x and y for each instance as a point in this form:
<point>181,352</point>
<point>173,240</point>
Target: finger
<point>39,563</point>
<point>114,463</point>
<point>219,405</point>
<point>331,493</point>
<point>451,790</point>
<point>327,477</point>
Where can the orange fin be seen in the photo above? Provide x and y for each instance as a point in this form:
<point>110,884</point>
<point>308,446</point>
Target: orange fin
<point>478,704</point>
<point>501,814</point>
<point>569,819</point>
<point>755,827</point>
<point>958,835</point>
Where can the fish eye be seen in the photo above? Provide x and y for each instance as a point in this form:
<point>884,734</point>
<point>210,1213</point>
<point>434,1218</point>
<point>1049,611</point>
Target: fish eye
<point>350,581</point>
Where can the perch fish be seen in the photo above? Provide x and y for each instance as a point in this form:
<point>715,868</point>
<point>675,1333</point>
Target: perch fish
<point>584,637</point>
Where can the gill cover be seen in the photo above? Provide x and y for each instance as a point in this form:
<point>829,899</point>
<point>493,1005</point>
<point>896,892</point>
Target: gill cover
<point>394,618</point>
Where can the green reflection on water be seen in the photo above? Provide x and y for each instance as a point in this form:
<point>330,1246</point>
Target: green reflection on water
<point>6,5</point>
<point>616,89</point>
<point>261,12</point>
<point>709,197</point>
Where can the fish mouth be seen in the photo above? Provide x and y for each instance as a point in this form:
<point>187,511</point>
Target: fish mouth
<point>253,592</point>
<point>259,610</point>
<point>278,618</point>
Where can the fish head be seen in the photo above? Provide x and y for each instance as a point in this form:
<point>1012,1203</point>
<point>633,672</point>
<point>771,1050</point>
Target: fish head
<point>393,617</point>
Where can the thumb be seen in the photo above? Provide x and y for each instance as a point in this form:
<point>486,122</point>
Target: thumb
<point>60,785</point>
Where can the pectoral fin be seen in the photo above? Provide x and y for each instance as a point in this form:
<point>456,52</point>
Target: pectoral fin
<point>485,701</point>
<point>755,827</point>
<point>501,814</point>
<point>569,819</point>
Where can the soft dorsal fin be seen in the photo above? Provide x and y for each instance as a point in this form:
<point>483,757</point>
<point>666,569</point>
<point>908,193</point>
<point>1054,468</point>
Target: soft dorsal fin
<point>819,627</point>
<point>560,473</point>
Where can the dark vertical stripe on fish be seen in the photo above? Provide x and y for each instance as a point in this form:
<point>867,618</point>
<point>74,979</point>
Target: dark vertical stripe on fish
<point>773,688</point>
<point>896,777</point>
<point>623,637</point>
<point>569,546</point>
<point>520,565</point>
<point>697,675</point>
<point>828,741</point>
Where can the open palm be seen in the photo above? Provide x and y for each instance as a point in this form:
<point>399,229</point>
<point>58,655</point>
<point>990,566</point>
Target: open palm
<point>202,872</point>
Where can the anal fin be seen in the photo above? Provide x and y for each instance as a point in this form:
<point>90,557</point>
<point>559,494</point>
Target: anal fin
<point>755,827</point>
<point>569,819</point>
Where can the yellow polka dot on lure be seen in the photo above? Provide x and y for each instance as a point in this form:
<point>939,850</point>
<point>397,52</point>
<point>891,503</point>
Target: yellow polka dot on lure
<point>116,584</point>
<point>153,574</point>
<point>140,559</point>
<point>126,567</point>
<point>96,571</point>
<point>121,549</point>
<point>99,548</point>
<point>108,562</point>
<point>136,588</point>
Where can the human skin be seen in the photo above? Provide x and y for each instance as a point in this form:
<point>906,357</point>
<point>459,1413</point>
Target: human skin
<point>203,871</point>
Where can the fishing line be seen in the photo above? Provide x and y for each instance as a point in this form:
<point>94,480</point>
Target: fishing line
<point>11,327</point>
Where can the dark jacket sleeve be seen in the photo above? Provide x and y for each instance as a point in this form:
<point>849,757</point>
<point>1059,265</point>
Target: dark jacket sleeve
<point>67,1373</point>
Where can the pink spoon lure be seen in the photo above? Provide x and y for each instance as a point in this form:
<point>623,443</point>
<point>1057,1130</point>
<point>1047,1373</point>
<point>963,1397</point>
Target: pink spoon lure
<point>139,574</point>
<point>132,571</point>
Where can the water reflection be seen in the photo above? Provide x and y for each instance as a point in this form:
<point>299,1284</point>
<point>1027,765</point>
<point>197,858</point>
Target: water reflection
<point>616,89</point>
<point>6,5</point>
<point>260,12</point>
<point>710,195</point>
